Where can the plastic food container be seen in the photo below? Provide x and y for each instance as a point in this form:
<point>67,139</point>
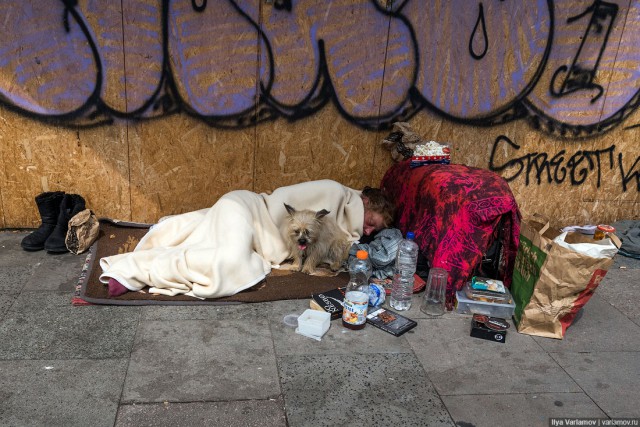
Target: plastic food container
<point>486,296</point>
<point>465,305</point>
<point>313,323</point>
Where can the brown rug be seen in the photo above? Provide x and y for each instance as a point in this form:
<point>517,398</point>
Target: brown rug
<point>118,237</point>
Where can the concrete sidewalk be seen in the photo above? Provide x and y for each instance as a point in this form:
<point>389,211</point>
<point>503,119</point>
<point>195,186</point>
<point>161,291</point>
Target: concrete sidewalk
<point>62,365</point>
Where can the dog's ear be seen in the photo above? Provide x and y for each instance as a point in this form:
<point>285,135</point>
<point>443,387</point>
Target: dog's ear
<point>289,209</point>
<point>322,213</point>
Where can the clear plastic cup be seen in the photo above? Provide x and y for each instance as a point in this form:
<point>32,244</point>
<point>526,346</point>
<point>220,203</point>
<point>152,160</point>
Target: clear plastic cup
<point>434,296</point>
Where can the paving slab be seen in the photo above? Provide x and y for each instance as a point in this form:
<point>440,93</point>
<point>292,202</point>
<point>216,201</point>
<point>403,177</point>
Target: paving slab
<point>625,261</point>
<point>44,325</point>
<point>621,289</point>
<point>59,272</point>
<point>610,379</point>
<point>218,365</point>
<point>528,409</point>
<point>359,389</point>
<point>14,277</point>
<point>6,301</point>
<point>12,238</point>
<point>246,311</point>
<point>277,310</point>
<point>12,252</point>
<point>60,392</point>
<point>188,360</point>
<point>459,364</point>
<point>600,327</point>
<point>337,340</point>
<point>248,413</point>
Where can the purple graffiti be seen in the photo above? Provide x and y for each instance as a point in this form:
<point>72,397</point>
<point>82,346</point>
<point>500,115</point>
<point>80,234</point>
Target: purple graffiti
<point>570,67</point>
<point>128,36</point>
<point>347,43</point>
<point>47,67</point>
<point>464,86</point>
<point>213,54</point>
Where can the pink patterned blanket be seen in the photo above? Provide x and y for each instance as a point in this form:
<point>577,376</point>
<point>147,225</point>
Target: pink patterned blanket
<point>456,213</point>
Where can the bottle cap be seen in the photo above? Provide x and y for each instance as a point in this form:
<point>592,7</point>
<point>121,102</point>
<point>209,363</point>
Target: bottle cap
<point>362,255</point>
<point>606,228</point>
<point>410,235</point>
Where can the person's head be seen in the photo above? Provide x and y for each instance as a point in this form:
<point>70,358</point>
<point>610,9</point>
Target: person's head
<point>379,210</point>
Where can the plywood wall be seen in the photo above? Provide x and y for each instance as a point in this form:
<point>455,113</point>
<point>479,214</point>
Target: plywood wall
<point>39,158</point>
<point>179,165</point>
<point>151,117</point>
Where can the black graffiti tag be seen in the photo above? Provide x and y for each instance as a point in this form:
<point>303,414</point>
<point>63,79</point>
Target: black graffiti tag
<point>542,167</point>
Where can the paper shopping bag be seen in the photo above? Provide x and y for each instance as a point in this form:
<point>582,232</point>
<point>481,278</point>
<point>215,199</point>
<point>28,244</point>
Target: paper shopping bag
<point>555,276</point>
<point>83,230</point>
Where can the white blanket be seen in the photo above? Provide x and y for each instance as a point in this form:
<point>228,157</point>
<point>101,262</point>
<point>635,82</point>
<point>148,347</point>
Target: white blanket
<point>229,247</point>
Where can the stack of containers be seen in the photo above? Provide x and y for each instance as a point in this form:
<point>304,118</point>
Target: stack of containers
<point>485,296</point>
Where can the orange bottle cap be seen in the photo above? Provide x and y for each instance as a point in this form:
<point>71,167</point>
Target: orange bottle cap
<point>606,228</point>
<point>362,255</point>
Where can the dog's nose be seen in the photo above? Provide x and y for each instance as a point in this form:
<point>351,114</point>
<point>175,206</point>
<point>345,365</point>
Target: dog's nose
<point>302,241</point>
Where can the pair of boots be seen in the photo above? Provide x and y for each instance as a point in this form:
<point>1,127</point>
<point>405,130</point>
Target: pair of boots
<point>56,209</point>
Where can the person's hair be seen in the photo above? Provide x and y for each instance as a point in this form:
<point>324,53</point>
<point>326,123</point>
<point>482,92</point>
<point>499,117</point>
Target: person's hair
<point>380,203</point>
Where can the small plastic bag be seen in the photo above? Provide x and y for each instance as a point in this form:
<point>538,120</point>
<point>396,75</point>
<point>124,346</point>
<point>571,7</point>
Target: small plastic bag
<point>594,248</point>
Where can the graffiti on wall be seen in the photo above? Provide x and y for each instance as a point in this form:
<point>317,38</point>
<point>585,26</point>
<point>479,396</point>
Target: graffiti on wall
<point>569,67</point>
<point>564,166</point>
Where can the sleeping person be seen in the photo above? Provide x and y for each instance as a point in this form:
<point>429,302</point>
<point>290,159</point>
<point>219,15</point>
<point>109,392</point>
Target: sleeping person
<point>231,246</point>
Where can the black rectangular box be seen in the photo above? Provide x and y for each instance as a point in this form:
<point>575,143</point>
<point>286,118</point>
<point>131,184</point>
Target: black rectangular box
<point>478,330</point>
<point>390,321</point>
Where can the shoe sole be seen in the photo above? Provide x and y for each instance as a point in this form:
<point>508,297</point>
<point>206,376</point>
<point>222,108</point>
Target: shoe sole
<point>32,248</point>
<point>57,251</point>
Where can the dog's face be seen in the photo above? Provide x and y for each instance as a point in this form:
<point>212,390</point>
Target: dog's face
<point>304,227</point>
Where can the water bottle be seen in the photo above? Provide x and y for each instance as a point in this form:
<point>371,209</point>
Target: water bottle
<point>406,261</point>
<point>356,296</point>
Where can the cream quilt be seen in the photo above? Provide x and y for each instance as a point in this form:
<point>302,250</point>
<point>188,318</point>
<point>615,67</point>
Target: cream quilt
<point>230,246</point>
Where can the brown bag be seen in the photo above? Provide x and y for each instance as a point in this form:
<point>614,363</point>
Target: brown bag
<point>83,231</point>
<point>554,278</point>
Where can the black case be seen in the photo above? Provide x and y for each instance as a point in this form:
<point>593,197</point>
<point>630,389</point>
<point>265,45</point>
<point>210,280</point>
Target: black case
<point>478,330</point>
<point>390,321</point>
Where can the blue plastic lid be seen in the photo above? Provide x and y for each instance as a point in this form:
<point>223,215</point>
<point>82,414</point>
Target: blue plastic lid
<point>410,235</point>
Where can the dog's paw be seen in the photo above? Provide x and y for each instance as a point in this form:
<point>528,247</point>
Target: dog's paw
<point>308,270</point>
<point>324,272</point>
<point>289,267</point>
<point>336,267</point>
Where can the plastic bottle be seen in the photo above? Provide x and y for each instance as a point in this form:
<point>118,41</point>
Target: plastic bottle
<point>356,297</point>
<point>406,261</point>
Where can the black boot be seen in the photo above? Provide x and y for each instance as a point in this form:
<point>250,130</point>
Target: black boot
<point>49,208</point>
<point>71,204</point>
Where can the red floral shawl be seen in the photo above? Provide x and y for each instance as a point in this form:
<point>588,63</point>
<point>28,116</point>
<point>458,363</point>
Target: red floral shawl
<point>455,211</point>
